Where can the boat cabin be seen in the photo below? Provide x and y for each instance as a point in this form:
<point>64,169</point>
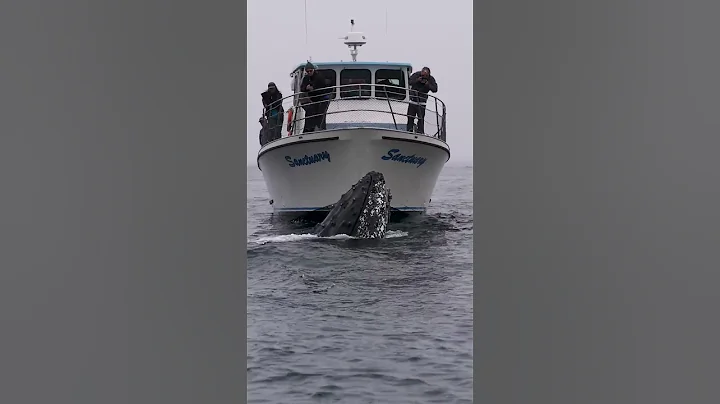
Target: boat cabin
<point>361,95</point>
<point>364,95</point>
<point>360,80</point>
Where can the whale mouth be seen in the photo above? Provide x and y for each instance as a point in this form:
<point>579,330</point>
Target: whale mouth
<point>376,180</point>
<point>363,211</point>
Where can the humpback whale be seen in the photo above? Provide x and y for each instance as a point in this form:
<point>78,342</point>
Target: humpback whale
<point>362,212</point>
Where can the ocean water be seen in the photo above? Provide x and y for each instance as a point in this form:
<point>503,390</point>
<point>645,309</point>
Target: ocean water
<point>362,321</point>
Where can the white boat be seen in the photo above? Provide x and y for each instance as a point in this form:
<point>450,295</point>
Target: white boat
<point>365,130</point>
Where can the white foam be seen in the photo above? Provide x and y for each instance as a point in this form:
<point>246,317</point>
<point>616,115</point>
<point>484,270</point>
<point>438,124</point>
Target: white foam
<point>297,237</point>
<point>286,238</point>
<point>395,234</point>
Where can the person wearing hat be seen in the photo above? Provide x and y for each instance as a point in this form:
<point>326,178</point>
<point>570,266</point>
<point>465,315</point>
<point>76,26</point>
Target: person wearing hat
<point>319,93</point>
<point>272,102</point>
<point>420,84</point>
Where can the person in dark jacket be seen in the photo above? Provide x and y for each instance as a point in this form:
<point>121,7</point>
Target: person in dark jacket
<point>318,90</point>
<point>272,102</point>
<point>420,84</point>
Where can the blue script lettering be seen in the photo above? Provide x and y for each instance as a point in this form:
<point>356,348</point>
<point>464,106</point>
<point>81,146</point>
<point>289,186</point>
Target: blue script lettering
<point>307,160</point>
<point>394,155</point>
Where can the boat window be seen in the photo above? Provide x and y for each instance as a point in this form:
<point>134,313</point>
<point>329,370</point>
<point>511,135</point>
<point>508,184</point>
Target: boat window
<point>330,79</point>
<point>391,81</point>
<point>355,76</point>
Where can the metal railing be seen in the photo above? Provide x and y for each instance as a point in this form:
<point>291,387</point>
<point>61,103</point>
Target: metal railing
<point>353,106</point>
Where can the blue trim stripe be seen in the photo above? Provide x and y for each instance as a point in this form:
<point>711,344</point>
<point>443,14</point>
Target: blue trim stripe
<point>351,63</point>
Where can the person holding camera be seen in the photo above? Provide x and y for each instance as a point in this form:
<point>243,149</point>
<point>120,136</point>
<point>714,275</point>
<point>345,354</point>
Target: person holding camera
<point>318,90</point>
<point>420,84</point>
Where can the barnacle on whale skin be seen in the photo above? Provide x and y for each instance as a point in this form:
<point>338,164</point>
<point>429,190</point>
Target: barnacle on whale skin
<point>362,212</point>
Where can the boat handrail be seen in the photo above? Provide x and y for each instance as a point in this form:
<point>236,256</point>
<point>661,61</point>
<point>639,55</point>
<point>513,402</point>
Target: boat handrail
<point>357,110</point>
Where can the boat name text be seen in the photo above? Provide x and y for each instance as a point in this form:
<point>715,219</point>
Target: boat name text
<point>394,155</point>
<point>307,160</point>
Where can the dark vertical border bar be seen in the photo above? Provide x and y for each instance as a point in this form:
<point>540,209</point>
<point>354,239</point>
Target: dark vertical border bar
<point>596,267</point>
<point>122,219</point>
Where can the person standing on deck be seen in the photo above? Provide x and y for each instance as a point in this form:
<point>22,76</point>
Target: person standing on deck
<point>314,85</point>
<point>274,111</point>
<point>420,84</point>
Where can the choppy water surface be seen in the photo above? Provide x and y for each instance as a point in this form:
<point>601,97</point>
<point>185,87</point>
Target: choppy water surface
<point>362,321</point>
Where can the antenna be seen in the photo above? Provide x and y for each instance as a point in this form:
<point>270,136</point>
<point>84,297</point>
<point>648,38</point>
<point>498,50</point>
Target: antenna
<point>305,22</point>
<point>354,39</point>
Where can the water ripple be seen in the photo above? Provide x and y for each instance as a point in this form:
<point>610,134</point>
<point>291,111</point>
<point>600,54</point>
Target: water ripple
<point>368,321</point>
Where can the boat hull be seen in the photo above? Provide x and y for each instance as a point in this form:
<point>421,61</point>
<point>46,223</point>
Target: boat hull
<point>307,173</point>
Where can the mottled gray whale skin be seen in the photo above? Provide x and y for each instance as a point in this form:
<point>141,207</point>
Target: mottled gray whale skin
<point>362,212</point>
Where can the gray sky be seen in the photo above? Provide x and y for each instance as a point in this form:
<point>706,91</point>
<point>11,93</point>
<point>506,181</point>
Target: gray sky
<point>432,33</point>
